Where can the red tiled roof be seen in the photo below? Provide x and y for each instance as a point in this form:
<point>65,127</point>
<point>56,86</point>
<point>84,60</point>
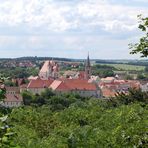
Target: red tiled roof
<point>45,66</point>
<point>108,92</point>
<point>13,98</point>
<point>15,89</point>
<point>81,74</point>
<point>118,83</point>
<point>63,87</point>
<point>55,84</point>
<point>76,84</point>
<point>40,83</point>
<point>13,95</point>
<point>24,86</point>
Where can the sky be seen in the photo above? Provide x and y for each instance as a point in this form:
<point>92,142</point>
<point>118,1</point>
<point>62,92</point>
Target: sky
<point>70,28</point>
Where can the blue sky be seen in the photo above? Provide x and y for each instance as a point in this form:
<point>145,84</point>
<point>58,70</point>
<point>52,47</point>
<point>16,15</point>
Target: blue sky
<point>70,28</point>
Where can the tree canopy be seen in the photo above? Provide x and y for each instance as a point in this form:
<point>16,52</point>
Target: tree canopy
<point>142,46</point>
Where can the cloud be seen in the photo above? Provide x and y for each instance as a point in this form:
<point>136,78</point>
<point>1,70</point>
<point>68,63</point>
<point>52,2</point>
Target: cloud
<point>69,27</point>
<point>57,16</point>
<point>67,46</point>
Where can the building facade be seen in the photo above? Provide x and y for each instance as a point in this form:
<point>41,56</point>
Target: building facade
<point>50,69</point>
<point>13,97</point>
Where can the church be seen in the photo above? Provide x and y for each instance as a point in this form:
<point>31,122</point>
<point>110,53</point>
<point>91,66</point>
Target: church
<point>49,78</point>
<point>87,68</point>
<point>50,69</point>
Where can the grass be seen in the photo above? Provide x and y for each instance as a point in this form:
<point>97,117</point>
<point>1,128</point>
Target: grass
<point>126,67</point>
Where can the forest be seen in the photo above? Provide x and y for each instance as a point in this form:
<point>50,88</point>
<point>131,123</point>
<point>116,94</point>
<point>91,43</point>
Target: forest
<point>70,121</point>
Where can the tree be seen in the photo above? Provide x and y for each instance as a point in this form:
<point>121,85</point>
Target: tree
<point>142,46</point>
<point>128,77</point>
<point>27,97</point>
<point>103,70</point>
<point>47,94</point>
<point>134,95</point>
<point>141,77</point>
<point>146,69</point>
<point>6,134</point>
<point>2,90</point>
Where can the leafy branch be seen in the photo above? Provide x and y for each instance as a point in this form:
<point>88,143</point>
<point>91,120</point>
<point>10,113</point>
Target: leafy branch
<point>142,46</point>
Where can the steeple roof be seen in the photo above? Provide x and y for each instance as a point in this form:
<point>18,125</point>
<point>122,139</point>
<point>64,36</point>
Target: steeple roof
<point>87,61</point>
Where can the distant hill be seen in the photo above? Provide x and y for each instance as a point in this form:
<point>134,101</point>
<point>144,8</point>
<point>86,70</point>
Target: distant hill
<point>143,62</point>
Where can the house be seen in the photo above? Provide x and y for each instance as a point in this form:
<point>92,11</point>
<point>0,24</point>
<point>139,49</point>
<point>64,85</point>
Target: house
<point>37,86</point>
<point>13,97</point>
<point>81,87</point>
<point>110,86</point>
<point>144,86</point>
<point>32,78</point>
<point>23,87</point>
<point>108,79</point>
<point>70,74</point>
<point>107,92</point>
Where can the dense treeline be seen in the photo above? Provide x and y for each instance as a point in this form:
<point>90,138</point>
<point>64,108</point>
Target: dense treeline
<point>88,124</point>
<point>71,121</point>
<point>56,101</point>
<point>44,58</point>
<point>19,72</point>
<point>103,70</point>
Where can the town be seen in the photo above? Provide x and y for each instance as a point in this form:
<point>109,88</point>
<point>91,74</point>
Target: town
<point>73,74</point>
<point>77,77</point>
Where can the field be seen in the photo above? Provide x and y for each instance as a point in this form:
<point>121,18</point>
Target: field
<point>126,67</point>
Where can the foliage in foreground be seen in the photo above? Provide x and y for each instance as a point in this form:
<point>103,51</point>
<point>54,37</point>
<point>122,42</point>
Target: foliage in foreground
<point>83,124</point>
<point>142,46</point>
<point>70,121</point>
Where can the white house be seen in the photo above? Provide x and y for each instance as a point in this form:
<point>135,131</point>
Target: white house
<point>13,97</point>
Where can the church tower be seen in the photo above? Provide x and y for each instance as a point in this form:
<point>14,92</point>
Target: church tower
<point>87,68</point>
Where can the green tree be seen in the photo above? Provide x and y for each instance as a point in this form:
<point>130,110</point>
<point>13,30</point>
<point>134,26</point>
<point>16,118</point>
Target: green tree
<point>128,77</point>
<point>28,97</point>
<point>134,95</point>
<point>6,134</point>
<point>2,90</point>
<point>142,46</point>
<point>47,94</point>
<point>146,69</point>
<point>141,77</point>
<point>103,70</point>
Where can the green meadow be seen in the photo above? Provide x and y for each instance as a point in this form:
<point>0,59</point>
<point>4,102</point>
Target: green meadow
<point>126,67</point>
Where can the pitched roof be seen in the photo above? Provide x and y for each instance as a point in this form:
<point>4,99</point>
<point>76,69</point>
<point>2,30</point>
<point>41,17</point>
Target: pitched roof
<point>45,66</point>
<point>32,77</point>
<point>63,87</point>
<point>108,92</point>
<point>13,98</point>
<point>15,89</point>
<point>87,63</point>
<point>23,86</point>
<point>76,84</point>
<point>81,75</point>
<point>55,84</point>
<point>39,83</point>
<point>108,79</point>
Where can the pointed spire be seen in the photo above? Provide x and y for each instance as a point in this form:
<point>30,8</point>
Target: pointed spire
<point>88,61</point>
<point>87,68</point>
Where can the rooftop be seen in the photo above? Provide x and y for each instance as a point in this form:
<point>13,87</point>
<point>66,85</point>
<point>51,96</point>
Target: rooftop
<point>38,83</point>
